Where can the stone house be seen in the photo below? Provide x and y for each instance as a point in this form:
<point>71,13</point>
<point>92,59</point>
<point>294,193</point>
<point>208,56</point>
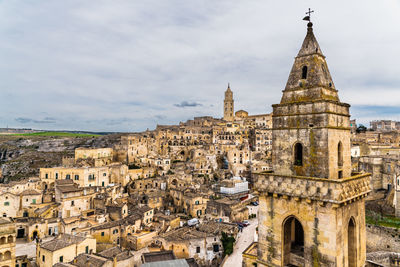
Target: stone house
<point>194,204</point>
<point>30,197</point>
<point>155,199</point>
<point>72,200</point>
<point>33,227</point>
<point>46,211</point>
<point>119,257</point>
<point>145,184</point>
<point>146,213</point>
<point>119,174</point>
<point>9,204</point>
<point>116,231</point>
<point>382,168</point>
<point>117,211</point>
<point>16,187</point>
<point>261,140</point>
<point>63,248</point>
<point>216,228</point>
<point>75,225</point>
<point>187,242</point>
<point>83,176</point>
<point>135,174</point>
<point>189,202</point>
<point>101,156</point>
<point>167,222</point>
<point>141,239</point>
<point>7,242</point>
<point>85,260</point>
<point>227,209</point>
<point>23,261</point>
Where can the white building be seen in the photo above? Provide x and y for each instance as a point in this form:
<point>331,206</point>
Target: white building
<point>239,185</point>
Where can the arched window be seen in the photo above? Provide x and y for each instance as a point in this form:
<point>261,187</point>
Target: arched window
<point>340,154</point>
<point>304,72</point>
<point>298,154</point>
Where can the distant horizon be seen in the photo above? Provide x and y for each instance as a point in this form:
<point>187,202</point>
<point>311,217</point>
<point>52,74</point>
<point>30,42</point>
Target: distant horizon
<point>120,132</point>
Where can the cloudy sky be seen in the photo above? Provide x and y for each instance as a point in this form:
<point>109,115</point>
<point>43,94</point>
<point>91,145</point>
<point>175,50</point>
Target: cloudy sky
<point>128,65</point>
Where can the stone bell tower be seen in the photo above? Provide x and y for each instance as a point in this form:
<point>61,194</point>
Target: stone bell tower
<point>312,210</point>
<point>228,105</point>
<point>311,124</point>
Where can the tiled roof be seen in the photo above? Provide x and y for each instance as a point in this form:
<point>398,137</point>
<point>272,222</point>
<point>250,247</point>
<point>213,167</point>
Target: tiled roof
<point>62,241</point>
<point>84,260</point>
<point>69,188</point>
<point>159,256</point>
<point>30,192</point>
<point>185,233</point>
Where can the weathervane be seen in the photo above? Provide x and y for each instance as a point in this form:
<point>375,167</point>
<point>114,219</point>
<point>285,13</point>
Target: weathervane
<point>309,15</point>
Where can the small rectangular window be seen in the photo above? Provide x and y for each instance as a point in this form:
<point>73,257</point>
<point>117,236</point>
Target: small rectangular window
<point>61,258</point>
<point>6,203</point>
<point>197,249</point>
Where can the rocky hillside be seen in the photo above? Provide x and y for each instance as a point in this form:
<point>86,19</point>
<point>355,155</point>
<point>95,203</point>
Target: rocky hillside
<point>22,156</point>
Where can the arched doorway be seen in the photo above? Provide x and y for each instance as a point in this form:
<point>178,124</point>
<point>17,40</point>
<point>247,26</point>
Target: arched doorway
<point>293,242</point>
<point>352,243</point>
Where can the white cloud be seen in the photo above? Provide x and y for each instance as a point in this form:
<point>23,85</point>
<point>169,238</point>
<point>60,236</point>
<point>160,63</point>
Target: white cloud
<point>83,62</point>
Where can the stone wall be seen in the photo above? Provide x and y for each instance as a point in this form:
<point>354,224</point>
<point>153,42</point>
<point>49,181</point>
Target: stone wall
<point>382,238</point>
<point>382,258</point>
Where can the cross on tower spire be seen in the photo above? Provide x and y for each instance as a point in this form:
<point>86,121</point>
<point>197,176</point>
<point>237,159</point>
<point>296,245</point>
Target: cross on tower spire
<point>309,15</point>
<point>309,12</point>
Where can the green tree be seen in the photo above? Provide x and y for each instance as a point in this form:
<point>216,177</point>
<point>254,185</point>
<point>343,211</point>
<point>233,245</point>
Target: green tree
<point>227,243</point>
<point>361,129</point>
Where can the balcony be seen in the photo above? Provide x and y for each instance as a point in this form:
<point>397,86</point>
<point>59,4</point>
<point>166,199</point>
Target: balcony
<point>319,189</point>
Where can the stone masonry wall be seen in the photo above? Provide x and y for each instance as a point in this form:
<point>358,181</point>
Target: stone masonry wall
<point>382,239</point>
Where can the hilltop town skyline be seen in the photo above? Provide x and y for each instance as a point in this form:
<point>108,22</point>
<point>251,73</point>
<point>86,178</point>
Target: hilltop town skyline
<point>234,183</point>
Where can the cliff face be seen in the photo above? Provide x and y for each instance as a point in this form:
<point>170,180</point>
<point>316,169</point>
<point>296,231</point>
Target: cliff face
<point>21,157</point>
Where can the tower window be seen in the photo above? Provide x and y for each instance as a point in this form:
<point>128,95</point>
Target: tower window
<point>304,72</point>
<point>298,154</point>
<point>340,154</point>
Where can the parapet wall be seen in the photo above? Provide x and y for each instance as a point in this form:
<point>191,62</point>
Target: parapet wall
<point>319,189</point>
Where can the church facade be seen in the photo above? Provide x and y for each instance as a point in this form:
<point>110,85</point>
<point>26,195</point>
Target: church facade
<point>312,207</point>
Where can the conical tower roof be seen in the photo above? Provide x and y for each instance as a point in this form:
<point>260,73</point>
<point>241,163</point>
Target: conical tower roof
<point>309,80</point>
<point>310,44</point>
<point>228,92</point>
